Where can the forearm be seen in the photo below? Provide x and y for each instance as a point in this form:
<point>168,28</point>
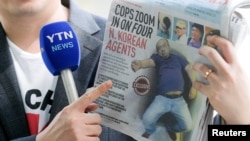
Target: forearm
<point>146,63</point>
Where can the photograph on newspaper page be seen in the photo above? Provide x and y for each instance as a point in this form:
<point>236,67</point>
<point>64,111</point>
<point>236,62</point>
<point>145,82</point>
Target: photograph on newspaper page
<point>148,50</point>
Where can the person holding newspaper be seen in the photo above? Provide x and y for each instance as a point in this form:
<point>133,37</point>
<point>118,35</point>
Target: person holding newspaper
<point>170,87</point>
<point>34,105</point>
<point>228,82</point>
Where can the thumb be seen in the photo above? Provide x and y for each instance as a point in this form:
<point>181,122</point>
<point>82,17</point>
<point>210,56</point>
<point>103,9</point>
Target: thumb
<point>91,107</point>
<point>87,98</point>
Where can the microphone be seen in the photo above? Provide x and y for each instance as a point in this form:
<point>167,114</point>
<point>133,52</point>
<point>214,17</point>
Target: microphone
<point>61,54</point>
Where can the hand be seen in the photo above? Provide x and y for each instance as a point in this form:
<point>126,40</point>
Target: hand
<point>135,65</point>
<point>228,87</point>
<point>73,123</point>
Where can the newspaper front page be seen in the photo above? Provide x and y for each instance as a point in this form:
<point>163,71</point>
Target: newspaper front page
<point>148,51</point>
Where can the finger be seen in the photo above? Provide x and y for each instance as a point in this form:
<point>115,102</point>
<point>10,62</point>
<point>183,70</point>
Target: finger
<point>202,88</point>
<point>226,47</point>
<point>93,130</point>
<point>91,138</point>
<point>91,118</point>
<point>204,71</point>
<point>215,58</point>
<point>82,103</point>
<point>91,107</point>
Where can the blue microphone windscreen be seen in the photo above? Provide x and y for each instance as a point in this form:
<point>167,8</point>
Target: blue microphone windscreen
<point>59,47</point>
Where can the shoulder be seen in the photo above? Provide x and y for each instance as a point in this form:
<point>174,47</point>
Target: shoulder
<point>85,21</point>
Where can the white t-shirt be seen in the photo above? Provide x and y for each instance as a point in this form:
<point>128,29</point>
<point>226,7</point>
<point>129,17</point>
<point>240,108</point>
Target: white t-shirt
<point>37,86</point>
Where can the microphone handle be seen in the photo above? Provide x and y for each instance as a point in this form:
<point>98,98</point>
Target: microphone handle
<point>69,85</point>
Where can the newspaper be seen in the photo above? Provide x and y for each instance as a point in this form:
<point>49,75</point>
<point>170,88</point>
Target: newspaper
<point>150,42</point>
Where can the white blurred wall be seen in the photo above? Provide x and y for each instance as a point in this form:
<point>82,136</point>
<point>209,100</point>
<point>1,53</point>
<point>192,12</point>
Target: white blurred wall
<point>100,7</point>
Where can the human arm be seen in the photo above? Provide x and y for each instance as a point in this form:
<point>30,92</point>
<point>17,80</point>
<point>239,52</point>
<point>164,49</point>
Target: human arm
<point>141,64</point>
<point>228,87</point>
<point>74,123</point>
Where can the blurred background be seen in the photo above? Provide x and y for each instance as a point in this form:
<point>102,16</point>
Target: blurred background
<point>100,7</point>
